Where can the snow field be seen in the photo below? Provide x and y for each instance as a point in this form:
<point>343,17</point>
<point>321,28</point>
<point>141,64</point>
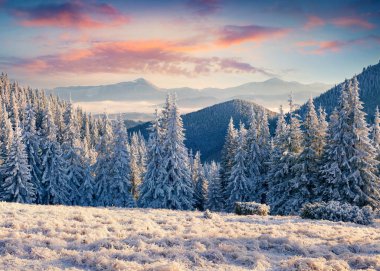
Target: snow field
<point>36,237</point>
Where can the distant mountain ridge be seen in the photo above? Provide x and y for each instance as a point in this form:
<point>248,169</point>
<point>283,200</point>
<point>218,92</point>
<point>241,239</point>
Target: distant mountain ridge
<point>269,93</point>
<point>206,129</point>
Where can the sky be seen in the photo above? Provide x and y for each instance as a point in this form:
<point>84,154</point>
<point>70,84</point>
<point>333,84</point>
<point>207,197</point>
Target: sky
<point>200,43</point>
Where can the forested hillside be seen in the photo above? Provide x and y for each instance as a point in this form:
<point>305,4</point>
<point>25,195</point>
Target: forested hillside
<point>206,128</point>
<point>369,82</point>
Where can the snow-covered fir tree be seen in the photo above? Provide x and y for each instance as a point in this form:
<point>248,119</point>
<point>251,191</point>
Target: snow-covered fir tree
<point>215,200</point>
<point>136,174</point>
<point>103,166</point>
<point>54,180</point>
<point>304,171</point>
<point>375,135</point>
<point>228,156</point>
<point>254,160</point>
<point>153,190</point>
<point>349,171</point>
<point>200,188</point>
<point>121,172</point>
<point>73,154</point>
<point>281,175</point>
<point>32,148</point>
<point>238,188</point>
<point>17,185</point>
<point>322,131</point>
<point>177,175</point>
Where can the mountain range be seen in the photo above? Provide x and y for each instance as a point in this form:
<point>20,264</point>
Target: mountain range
<point>141,97</point>
<point>206,128</point>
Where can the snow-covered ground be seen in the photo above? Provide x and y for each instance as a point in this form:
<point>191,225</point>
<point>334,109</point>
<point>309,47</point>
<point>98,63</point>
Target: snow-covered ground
<point>77,238</point>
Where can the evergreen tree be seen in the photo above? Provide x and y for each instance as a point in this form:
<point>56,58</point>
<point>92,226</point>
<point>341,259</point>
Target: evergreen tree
<point>73,154</point>
<point>350,167</point>
<point>135,166</point>
<point>200,189</point>
<point>177,175</point>
<point>322,132</point>
<point>238,188</point>
<point>254,160</point>
<point>376,135</point>
<point>32,148</point>
<point>228,156</point>
<point>121,171</point>
<point>153,190</point>
<point>305,169</point>
<point>215,197</point>
<point>281,175</point>
<point>17,185</point>
<point>54,179</point>
<point>103,167</point>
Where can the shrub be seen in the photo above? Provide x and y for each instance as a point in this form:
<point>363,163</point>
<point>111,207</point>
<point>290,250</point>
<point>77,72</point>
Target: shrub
<point>208,215</point>
<point>336,211</point>
<point>251,208</point>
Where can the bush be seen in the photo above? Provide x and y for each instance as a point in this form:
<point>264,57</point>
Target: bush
<point>336,211</point>
<point>251,208</point>
<point>208,215</point>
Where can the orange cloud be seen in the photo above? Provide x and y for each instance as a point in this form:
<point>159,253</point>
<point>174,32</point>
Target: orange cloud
<point>233,34</point>
<point>314,21</point>
<point>152,56</point>
<point>352,22</point>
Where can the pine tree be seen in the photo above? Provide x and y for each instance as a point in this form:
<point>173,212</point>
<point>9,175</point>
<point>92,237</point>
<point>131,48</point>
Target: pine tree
<point>32,148</point>
<point>103,167</point>
<point>350,167</point>
<point>135,166</point>
<point>153,190</point>
<point>228,156</point>
<point>215,197</point>
<point>281,175</point>
<point>375,135</point>
<point>121,172</point>
<point>73,154</point>
<point>54,179</point>
<point>200,188</point>
<point>304,171</point>
<point>177,175</point>
<point>17,185</point>
<point>238,188</point>
<point>254,160</point>
<point>322,132</point>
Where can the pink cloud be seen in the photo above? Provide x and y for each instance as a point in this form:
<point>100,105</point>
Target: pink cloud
<point>352,22</point>
<point>77,14</point>
<point>322,47</point>
<point>232,34</point>
<point>314,21</point>
<point>133,57</point>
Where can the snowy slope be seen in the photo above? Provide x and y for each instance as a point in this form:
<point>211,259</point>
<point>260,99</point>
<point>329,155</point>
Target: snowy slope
<point>36,237</point>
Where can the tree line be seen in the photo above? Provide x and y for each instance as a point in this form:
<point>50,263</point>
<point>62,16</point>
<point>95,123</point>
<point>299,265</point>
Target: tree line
<point>53,153</point>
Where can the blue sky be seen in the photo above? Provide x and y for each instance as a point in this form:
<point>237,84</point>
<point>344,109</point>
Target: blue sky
<point>198,43</point>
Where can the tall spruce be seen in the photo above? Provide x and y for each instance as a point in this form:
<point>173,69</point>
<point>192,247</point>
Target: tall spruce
<point>238,188</point>
<point>103,166</point>
<point>32,148</point>
<point>153,190</point>
<point>121,172</point>
<point>349,172</point>
<point>280,184</point>
<point>215,200</point>
<point>228,156</point>
<point>200,188</point>
<point>177,177</point>
<point>17,185</point>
